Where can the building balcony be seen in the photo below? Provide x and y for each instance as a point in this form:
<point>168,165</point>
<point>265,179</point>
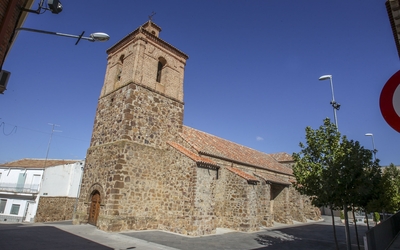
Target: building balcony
<point>14,188</point>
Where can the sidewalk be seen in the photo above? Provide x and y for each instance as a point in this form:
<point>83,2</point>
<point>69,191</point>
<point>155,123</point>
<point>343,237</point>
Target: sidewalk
<point>115,241</point>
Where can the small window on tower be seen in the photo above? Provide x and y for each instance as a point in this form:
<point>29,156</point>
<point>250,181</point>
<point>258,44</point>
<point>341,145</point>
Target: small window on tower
<point>119,67</point>
<point>160,66</point>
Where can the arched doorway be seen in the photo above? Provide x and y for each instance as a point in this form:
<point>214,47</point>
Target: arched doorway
<point>94,208</point>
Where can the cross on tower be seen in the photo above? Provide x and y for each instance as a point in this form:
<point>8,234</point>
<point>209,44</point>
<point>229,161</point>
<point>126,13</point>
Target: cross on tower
<point>151,16</point>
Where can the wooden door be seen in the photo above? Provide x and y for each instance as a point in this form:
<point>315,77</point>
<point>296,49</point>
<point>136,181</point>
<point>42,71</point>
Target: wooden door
<point>94,208</point>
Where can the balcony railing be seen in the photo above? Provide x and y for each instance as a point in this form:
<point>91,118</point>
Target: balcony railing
<point>13,187</point>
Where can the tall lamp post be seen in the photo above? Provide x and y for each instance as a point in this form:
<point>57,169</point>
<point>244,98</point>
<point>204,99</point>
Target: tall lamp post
<point>374,150</point>
<point>336,106</point>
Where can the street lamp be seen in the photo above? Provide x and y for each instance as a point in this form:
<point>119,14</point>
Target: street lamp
<point>99,36</point>
<point>335,105</point>
<point>374,150</point>
<point>54,6</point>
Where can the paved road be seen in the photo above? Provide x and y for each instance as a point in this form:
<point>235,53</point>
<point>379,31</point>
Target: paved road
<point>311,236</point>
<point>64,235</point>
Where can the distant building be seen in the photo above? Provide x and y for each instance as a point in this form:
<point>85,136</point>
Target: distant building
<point>39,190</point>
<point>146,170</point>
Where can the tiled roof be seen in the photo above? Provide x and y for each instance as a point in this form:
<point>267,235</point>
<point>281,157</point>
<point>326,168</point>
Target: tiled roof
<point>36,163</point>
<point>192,155</point>
<point>243,174</point>
<point>214,146</point>
<point>282,157</point>
<point>273,179</point>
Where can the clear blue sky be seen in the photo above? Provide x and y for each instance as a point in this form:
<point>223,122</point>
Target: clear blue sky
<point>252,74</point>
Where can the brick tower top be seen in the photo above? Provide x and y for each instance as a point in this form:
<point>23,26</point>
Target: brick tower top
<point>143,58</point>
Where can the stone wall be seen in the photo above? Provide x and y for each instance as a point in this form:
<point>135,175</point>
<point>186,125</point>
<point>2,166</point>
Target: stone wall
<point>144,188</point>
<point>55,209</point>
<point>280,199</point>
<point>135,113</point>
<point>239,205</point>
<point>204,217</point>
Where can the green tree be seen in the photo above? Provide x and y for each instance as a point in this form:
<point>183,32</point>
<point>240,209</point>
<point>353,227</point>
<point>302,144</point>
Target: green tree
<point>314,166</point>
<point>355,177</point>
<point>390,193</point>
<point>335,172</point>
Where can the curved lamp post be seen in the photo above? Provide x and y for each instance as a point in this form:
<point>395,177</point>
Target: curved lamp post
<point>335,105</point>
<point>94,37</point>
<point>374,150</point>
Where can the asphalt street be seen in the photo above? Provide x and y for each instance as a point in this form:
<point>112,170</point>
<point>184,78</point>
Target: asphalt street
<point>64,235</point>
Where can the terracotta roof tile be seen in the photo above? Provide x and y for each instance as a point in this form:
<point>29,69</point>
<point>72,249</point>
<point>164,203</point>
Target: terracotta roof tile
<point>192,155</point>
<point>212,145</point>
<point>282,157</point>
<point>243,174</point>
<point>36,163</point>
<point>273,179</point>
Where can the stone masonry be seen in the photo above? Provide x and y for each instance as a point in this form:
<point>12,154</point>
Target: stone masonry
<point>146,170</point>
<point>55,209</point>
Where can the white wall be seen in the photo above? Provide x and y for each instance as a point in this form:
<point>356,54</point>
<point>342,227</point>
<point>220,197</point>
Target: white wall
<point>8,191</point>
<point>63,180</point>
<point>10,176</point>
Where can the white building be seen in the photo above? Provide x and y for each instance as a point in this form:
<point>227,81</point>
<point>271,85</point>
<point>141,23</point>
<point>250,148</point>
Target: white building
<point>27,185</point>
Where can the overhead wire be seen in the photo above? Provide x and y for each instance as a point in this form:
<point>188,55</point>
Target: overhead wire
<point>4,127</point>
<point>34,130</point>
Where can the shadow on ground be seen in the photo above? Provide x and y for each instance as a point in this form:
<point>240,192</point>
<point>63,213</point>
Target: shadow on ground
<point>17,236</point>
<point>314,236</point>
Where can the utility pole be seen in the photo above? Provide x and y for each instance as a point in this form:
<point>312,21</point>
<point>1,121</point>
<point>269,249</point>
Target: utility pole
<point>51,137</point>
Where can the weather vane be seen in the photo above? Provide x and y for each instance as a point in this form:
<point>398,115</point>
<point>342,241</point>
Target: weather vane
<point>151,16</point>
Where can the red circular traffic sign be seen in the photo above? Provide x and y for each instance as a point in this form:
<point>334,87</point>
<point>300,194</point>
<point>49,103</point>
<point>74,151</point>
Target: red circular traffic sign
<point>389,101</point>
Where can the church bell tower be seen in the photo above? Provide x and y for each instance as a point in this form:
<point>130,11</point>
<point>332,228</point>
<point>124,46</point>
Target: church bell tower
<point>140,109</point>
<point>142,96</point>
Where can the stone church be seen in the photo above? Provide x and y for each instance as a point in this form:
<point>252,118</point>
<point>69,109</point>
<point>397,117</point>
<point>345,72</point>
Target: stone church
<point>145,170</point>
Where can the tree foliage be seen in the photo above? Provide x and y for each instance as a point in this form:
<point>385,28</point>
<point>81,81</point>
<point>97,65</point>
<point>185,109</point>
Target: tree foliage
<point>335,171</point>
<point>388,194</point>
<point>340,173</point>
<point>314,161</point>
<point>357,175</point>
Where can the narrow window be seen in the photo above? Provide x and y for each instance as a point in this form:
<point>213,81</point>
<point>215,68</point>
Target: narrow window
<point>119,67</point>
<point>15,209</point>
<point>160,66</point>
<point>3,203</point>
<point>159,69</point>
